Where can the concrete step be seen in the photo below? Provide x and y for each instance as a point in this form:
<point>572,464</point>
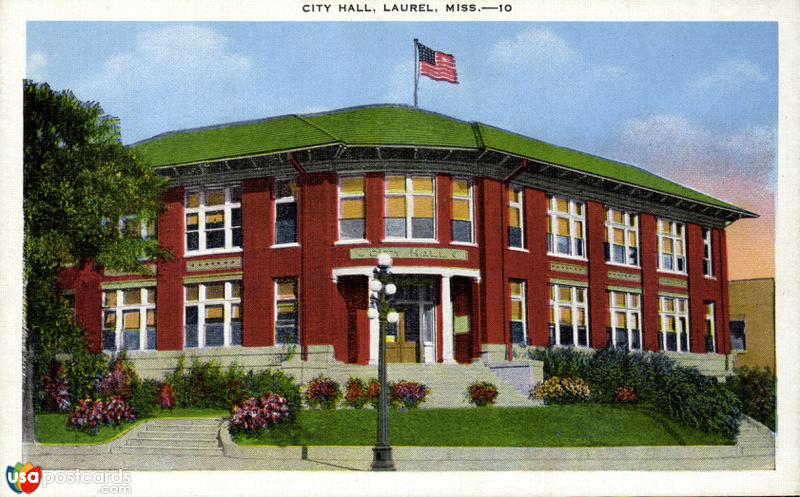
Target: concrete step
<point>150,450</point>
<point>175,444</point>
<point>157,436</point>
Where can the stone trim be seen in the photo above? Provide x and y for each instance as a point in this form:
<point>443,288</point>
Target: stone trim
<point>675,282</point>
<point>214,264</point>
<point>622,276</point>
<point>614,288</point>
<point>564,267</point>
<point>674,294</point>
<point>150,267</point>
<point>560,281</point>
<point>117,285</point>
<point>203,278</point>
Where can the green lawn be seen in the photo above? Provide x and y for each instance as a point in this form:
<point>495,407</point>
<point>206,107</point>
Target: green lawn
<point>52,428</point>
<point>588,425</point>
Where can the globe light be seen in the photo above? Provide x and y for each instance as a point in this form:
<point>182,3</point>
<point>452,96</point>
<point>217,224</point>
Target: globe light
<point>372,313</point>
<point>384,260</point>
<point>391,289</point>
<point>393,317</point>
<point>375,285</point>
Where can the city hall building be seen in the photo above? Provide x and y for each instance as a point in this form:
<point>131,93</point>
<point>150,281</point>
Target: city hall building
<point>498,240</point>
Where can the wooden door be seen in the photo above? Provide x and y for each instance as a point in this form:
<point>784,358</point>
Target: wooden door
<point>398,347</point>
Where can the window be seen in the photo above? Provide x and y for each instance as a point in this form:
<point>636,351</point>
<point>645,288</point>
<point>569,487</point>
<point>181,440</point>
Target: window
<point>410,210</point>
<point>674,324</point>
<point>738,334</point>
<point>352,225</point>
<point>285,212</point>
<point>708,262</point>
<point>213,314</point>
<point>568,319</point>
<point>711,328</point>
<point>286,328</point>
<point>565,227</point>
<point>213,219</point>
<point>462,210</point>
<point>671,246</point>
<point>133,227</point>
<point>626,319</point>
<point>516,217</point>
<point>129,319</point>
<point>519,332</point>
<point>622,237</point>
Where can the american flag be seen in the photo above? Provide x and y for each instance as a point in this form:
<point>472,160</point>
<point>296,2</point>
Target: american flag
<point>438,66</point>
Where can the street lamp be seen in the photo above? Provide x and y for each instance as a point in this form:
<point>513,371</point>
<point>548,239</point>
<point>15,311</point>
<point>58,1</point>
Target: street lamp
<point>381,297</point>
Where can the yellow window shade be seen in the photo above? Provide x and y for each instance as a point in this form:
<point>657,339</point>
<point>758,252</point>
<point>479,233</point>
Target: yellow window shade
<point>670,322</point>
<point>564,294</point>
<point>395,207</point>
<point>620,320</point>
<point>578,230</point>
<point>215,217</point>
<point>293,187</point>
<point>460,188</point>
<point>111,298</point>
<point>514,195</point>
<point>395,184</point>
<point>578,208</point>
<point>215,197</point>
<point>151,318</point>
<point>663,227</point>
<point>286,307</point>
<point>461,210</point>
<point>215,312</point>
<point>191,221</point>
<point>563,226</point>
<point>616,216</point>
<point>679,248</point>
<point>353,208</point>
<point>579,295</point>
<point>286,290</point>
<point>667,245</point>
<point>353,185</point>
<point>151,295</point>
<point>667,305</point>
<point>513,217</point>
<point>236,312</point>
<point>516,288</point>
<point>619,236</point>
<point>681,305</point>
<point>215,291</point>
<point>132,297</point>
<point>581,317</point>
<point>193,200</point>
<point>562,205</point>
<point>516,310</point>
<point>633,239</point>
<point>553,295</point>
<point>192,293</point>
<point>635,321</point>
<point>423,207</point>
<point>565,315</point>
<point>110,320</point>
<point>552,315</point>
<point>635,301</point>
<point>130,320</point>
<point>236,289</point>
<point>422,184</point>
<point>619,299</point>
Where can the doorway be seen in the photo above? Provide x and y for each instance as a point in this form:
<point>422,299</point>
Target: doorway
<point>413,338</point>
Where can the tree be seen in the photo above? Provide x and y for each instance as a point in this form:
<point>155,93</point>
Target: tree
<point>79,182</point>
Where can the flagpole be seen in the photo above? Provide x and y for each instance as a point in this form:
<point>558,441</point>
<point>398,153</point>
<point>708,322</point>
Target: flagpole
<point>416,70</point>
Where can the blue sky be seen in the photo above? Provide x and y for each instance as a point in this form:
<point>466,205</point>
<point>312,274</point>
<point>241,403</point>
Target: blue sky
<point>696,102</point>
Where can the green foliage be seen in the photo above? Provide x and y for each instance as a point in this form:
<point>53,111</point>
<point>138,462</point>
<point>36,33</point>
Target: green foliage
<point>756,389</point>
<point>680,393</point>
<point>145,398</point>
<point>562,390</point>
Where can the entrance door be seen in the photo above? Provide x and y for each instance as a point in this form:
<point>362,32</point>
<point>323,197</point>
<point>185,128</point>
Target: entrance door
<point>402,339</point>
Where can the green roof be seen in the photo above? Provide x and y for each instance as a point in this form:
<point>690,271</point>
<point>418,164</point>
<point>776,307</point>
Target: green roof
<point>388,125</point>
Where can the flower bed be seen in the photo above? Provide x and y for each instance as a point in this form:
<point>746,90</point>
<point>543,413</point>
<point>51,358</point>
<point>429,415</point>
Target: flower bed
<point>558,390</point>
<point>482,393</point>
<point>323,392</point>
<point>90,415</point>
<point>258,414</point>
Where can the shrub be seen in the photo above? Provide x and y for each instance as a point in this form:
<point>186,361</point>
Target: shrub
<point>356,393</point>
<point>257,414</point>
<point>374,392</point>
<point>482,393</point>
<point>145,397</point>
<point>558,390</point>
<point>90,415</point>
<point>409,394</point>
<point>756,390</point>
<point>626,395</point>
<point>119,380</point>
<point>56,389</point>
<point>323,392</point>
<point>166,397</point>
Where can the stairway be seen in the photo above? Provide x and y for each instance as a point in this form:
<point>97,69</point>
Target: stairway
<point>448,382</point>
<point>179,437</point>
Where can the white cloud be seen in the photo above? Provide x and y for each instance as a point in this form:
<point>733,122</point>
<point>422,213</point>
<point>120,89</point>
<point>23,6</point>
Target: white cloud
<point>613,72</point>
<point>170,53</point>
<point>533,46</point>
<point>728,76</point>
<point>36,66</point>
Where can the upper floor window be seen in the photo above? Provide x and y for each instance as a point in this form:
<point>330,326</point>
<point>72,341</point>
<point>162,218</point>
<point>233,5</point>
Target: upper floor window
<point>516,217</point>
<point>462,210</point>
<point>711,327</point>
<point>410,209</point>
<point>129,319</point>
<point>133,227</point>
<point>626,320</point>
<point>519,332</point>
<point>568,320</point>
<point>213,219</point>
<point>285,211</point>
<point>708,262</point>
<point>622,237</point>
<point>671,246</point>
<point>213,316</point>
<point>352,225</point>
<point>286,327</point>
<point>674,324</point>
<point>566,229</point>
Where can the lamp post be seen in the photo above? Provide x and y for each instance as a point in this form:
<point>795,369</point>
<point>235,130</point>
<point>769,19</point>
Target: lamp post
<point>381,296</point>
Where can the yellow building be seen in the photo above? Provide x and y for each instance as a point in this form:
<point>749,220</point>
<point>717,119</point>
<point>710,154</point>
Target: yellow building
<point>752,307</point>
